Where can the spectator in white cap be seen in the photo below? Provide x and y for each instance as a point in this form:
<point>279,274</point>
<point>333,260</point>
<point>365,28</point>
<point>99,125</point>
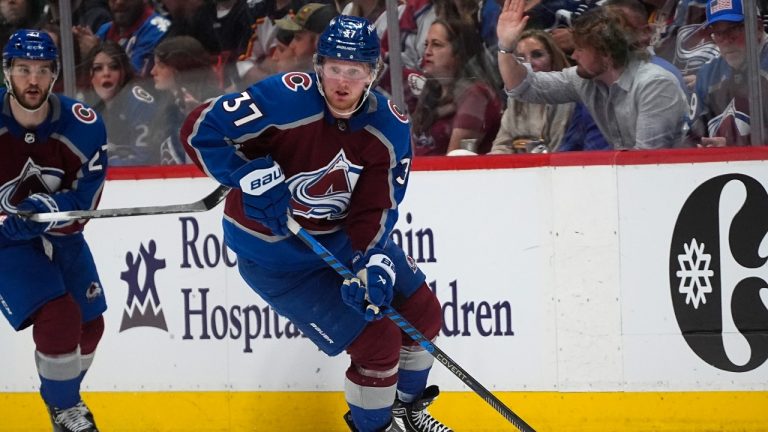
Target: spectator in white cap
<point>306,26</point>
<point>720,106</point>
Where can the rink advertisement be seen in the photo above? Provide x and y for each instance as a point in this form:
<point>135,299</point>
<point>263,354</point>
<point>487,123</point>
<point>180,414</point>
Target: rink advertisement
<point>605,278</point>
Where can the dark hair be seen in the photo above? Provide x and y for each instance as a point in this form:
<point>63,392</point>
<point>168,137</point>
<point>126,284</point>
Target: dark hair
<point>606,31</point>
<point>116,53</point>
<point>634,5</point>
<point>192,63</point>
<point>473,61</point>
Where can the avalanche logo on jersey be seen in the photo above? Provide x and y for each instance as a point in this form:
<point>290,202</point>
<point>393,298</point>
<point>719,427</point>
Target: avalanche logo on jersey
<point>84,113</point>
<point>325,193</point>
<point>403,117</point>
<point>32,179</point>
<point>728,121</point>
<point>297,80</point>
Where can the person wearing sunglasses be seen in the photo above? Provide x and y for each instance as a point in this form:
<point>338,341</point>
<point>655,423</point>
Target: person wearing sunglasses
<point>720,106</point>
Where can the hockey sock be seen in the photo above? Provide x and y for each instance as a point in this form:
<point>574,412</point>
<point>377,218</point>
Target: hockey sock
<point>59,378</point>
<point>411,384</point>
<point>56,332</point>
<point>415,364</point>
<point>371,420</point>
<point>91,335</point>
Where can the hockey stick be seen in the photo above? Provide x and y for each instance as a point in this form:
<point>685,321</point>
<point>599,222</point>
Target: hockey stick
<point>205,204</point>
<point>416,335</point>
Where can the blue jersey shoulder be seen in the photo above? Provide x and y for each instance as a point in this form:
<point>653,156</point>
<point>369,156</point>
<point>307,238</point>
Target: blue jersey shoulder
<point>280,101</point>
<point>79,123</point>
<point>392,123</point>
<point>288,97</point>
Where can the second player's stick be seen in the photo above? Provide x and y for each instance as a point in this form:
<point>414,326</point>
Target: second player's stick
<point>416,335</point>
<point>205,204</point>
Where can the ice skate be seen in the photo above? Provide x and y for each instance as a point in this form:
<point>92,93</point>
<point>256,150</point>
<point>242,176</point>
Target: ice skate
<point>414,415</point>
<point>75,419</point>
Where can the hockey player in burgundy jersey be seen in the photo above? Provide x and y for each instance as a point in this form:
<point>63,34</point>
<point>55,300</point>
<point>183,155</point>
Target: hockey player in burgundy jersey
<point>338,156</point>
<point>54,159</point>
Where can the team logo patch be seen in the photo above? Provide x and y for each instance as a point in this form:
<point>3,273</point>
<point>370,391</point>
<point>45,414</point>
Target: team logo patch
<point>142,95</point>
<point>411,263</point>
<point>84,113</point>
<point>396,111</point>
<point>297,80</point>
<point>93,291</point>
<point>416,83</point>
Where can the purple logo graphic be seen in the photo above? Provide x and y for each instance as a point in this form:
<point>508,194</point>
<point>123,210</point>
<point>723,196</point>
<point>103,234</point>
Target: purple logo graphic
<point>142,308</point>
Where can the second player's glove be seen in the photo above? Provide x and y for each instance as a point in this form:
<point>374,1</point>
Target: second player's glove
<point>373,285</point>
<point>17,227</point>
<point>266,197</point>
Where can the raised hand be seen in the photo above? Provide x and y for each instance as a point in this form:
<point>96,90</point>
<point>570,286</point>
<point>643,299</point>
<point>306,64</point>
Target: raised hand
<point>511,23</point>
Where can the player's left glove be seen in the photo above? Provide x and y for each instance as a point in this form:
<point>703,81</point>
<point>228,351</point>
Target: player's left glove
<point>17,227</point>
<point>265,195</point>
<point>373,285</point>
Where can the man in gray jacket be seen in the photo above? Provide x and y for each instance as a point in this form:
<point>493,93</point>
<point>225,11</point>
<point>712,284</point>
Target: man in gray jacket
<point>636,104</point>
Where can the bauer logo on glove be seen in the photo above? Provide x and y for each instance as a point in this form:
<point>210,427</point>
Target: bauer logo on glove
<point>261,180</point>
<point>266,197</point>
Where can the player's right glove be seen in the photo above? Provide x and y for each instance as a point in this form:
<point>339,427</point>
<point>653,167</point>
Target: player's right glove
<point>373,285</point>
<point>265,195</point>
<point>17,227</point>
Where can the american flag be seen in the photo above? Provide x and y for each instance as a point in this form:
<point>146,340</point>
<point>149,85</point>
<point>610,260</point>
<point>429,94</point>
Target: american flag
<point>718,5</point>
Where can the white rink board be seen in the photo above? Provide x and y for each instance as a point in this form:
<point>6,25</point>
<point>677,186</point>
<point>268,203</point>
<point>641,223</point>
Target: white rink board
<point>585,275</point>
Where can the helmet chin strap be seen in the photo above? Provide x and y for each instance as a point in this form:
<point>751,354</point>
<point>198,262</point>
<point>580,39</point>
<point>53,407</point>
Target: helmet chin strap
<point>327,103</point>
<point>352,111</point>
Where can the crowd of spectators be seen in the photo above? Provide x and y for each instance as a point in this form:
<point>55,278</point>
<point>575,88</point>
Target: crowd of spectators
<point>479,76</point>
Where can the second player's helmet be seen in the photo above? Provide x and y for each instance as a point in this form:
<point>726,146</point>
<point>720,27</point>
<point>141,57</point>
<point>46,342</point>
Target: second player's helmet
<point>30,45</point>
<point>350,38</point>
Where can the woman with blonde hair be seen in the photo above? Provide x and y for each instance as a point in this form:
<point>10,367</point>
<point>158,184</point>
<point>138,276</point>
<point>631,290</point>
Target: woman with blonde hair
<point>527,127</point>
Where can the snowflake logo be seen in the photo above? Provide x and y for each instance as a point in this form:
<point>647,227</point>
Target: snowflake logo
<point>694,273</point>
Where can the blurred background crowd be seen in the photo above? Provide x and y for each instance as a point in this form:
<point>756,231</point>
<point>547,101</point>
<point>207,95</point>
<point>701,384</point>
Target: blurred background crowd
<point>145,64</point>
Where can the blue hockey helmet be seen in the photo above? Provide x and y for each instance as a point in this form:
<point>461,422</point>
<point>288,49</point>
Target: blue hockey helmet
<point>350,38</point>
<point>30,45</point>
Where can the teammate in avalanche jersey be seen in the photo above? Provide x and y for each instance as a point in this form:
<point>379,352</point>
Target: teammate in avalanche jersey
<point>337,155</point>
<point>54,159</point>
<point>720,113</point>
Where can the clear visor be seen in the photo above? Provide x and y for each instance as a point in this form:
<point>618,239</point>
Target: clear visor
<point>350,71</point>
<point>27,71</point>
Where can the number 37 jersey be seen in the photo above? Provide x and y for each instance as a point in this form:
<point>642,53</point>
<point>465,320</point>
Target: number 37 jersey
<point>345,175</point>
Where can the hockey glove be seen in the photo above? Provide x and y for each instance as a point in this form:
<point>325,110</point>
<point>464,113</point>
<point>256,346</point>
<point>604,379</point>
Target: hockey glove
<point>17,227</point>
<point>265,195</point>
<point>373,284</point>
